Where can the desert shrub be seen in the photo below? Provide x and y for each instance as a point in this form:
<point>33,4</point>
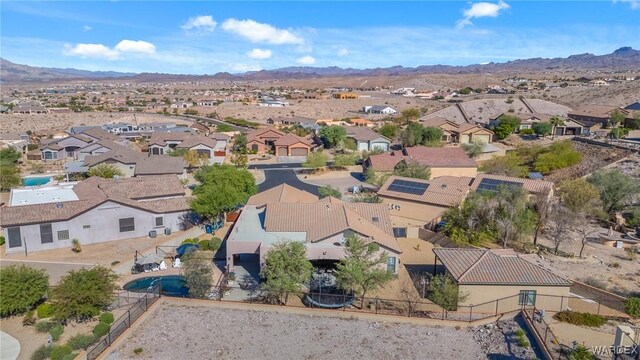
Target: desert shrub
<point>81,294</point>
<point>59,352</point>
<point>632,307</point>
<point>101,329</point>
<point>82,341</point>
<point>69,357</point>
<point>44,311</point>
<point>41,353</point>
<point>345,160</point>
<point>577,318</point>
<point>22,287</point>
<point>215,243</point>
<point>521,339</point>
<point>29,319</point>
<point>56,331</point>
<point>44,326</point>
<point>189,241</point>
<point>106,318</point>
<point>204,245</point>
<point>526,132</point>
<point>138,351</point>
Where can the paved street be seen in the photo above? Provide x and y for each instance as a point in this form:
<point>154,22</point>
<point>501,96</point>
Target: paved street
<point>274,178</point>
<point>279,166</point>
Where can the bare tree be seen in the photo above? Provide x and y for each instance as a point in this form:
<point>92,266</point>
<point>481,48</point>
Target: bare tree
<point>582,226</point>
<point>543,203</point>
<point>562,224</point>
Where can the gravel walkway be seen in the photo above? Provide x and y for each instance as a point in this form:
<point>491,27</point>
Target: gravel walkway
<point>203,332</point>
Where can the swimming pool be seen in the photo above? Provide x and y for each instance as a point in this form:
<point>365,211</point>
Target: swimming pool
<point>170,285</point>
<point>36,180</point>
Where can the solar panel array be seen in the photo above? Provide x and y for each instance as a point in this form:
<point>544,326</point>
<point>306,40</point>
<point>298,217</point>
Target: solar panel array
<point>408,187</point>
<point>492,185</point>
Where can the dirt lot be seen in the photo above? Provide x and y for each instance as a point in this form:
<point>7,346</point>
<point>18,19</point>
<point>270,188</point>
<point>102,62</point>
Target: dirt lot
<point>251,334</point>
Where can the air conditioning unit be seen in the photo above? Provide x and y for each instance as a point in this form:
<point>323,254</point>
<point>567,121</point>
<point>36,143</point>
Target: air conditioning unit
<point>153,234</point>
<point>167,231</point>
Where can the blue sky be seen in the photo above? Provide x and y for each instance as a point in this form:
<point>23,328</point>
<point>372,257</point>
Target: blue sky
<point>206,37</point>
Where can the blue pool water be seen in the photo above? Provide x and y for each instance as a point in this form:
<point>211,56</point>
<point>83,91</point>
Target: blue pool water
<point>170,285</point>
<point>35,181</point>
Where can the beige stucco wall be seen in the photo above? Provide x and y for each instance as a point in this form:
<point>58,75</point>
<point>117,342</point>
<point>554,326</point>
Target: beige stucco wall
<point>423,213</point>
<point>457,171</point>
<point>128,170</point>
<point>483,294</point>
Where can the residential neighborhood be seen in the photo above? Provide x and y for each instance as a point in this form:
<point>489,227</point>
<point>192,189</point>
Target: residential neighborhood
<point>300,180</point>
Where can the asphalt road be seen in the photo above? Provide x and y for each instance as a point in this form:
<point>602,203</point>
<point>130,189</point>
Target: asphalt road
<point>280,166</point>
<point>274,178</point>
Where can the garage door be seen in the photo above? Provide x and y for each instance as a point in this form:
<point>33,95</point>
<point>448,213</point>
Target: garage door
<point>204,152</point>
<point>282,151</point>
<point>299,152</point>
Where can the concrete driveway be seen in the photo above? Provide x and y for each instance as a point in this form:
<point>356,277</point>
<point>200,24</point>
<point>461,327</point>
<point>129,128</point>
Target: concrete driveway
<point>10,347</point>
<point>274,178</point>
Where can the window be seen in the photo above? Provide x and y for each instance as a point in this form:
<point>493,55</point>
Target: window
<point>400,232</point>
<point>391,264</point>
<point>46,234</point>
<point>527,297</point>
<point>15,239</point>
<point>156,151</point>
<point>254,147</point>
<point>63,235</point>
<point>159,221</point>
<point>86,226</point>
<point>127,224</point>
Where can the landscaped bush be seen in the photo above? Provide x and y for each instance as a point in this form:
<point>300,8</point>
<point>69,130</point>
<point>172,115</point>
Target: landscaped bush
<point>44,326</point>
<point>101,329</point>
<point>59,352</point>
<point>82,341</point>
<point>69,357</point>
<point>577,318</point>
<point>521,338</point>
<point>632,307</point>
<point>190,241</point>
<point>41,353</point>
<point>204,245</point>
<point>215,243</point>
<point>22,287</point>
<point>56,331</point>
<point>2,240</point>
<point>107,318</point>
<point>44,311</point>
<point>526,132</point>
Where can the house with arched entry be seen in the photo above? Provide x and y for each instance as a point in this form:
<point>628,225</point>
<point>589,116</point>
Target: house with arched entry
<point>270,140</point>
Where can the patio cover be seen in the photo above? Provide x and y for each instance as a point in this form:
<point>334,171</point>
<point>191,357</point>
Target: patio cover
<point>150,259</point>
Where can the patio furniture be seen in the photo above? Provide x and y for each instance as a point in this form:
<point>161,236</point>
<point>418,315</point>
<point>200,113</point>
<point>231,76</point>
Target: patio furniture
<point>163,265</point>
<point>177,263</point>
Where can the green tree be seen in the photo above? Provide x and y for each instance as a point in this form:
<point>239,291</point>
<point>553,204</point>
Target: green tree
<point>22,287</point>
<point>616,118</point>
<point>555,121</point>
<point>198,274</point>
<point>329,190</point>
<point>513,217</point>
<point>315,160</point>
<point>333,135</point>
<point>412,134</point>
<point>240,144</point>
<point>194,158</point>
<point>542,129</point>
<point>636,120</point>
<point>222,188</point>
<point>9,170</point>
<point>412,169</point>
<point>350,144</point>
<point>286,270</point>
<point>579,196</point>
<point>80,295</point>
<point>345,160</point>
<point>444,291</point>
<point>373,178</point>
<point>409,115</point>
<point>615,189</point>
<point>240,160</point>
<point>474,149</point>
<point>362,269</point>
<point>106,171</point>
<point>632,307</point>
<point>388,130</point>
<point>224,128</point>
<point>432,136</point>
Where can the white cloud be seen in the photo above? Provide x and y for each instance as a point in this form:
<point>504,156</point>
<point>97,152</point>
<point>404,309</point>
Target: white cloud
<point>138,47</point>
<point>261,33</point>
<point>306,60</point>
<point>204,23</point>
<point>91,51</point>
<point>635,4</point>
<point>87,28</point>
<point>482,9</point>
<point>343,52</point>
<point>259,54</point>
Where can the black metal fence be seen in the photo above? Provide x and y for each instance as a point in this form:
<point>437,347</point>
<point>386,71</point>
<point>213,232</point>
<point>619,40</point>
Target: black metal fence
<point>545,337</point>
<point>124,322</point>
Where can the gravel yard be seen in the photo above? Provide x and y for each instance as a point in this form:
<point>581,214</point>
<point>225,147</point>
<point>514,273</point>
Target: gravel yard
<point>179,332</point>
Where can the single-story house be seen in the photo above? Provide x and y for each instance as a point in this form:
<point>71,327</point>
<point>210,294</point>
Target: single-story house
<point>460,133</point>
<point>132,163</point>
<point>322,225</point>
<point>597,113</point>
<point>67,147</point>
<point>93,211</point>
<point>490,182</point>
<point>527,120</point>
<point>262,141</point>
<point>443,161</point>
<point>367,139</point>
<point>292,120</point>
<point>487,275</point>
<point>346,96</point>
<point>162,142</point>
<point>292,145</point>
<point>379,109</point>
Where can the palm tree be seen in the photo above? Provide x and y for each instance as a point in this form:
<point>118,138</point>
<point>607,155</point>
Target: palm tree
<point>555,122</point>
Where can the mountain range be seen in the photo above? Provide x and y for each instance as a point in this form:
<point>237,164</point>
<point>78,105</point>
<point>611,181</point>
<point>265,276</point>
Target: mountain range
<point>624,58</point>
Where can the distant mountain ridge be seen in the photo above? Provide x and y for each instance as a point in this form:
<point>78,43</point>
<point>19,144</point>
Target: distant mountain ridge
<point>624,58</point>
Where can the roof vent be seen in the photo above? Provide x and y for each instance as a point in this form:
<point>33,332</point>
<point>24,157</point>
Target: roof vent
<point>59,205</point>
<point>443,186</point>
<point>375,219</point>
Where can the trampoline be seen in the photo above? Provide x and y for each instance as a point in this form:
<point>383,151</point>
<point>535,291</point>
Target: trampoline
<point>324,293</point>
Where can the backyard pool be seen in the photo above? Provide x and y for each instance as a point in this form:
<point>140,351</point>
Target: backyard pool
<point>35,180</point>
<point>170,285</point>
